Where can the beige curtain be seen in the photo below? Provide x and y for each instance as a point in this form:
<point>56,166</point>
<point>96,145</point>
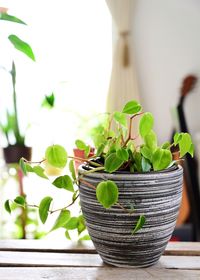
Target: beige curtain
<point>123,85</point>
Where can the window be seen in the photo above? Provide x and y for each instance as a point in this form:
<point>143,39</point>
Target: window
<point>72,43</point>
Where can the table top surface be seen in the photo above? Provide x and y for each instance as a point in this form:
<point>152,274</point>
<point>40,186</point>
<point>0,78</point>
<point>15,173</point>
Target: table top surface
<point>40,259</point>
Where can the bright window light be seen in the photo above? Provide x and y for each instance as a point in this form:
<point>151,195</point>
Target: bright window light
<point>72,42</point>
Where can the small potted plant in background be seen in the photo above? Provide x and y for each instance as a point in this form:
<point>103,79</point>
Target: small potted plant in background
<point>96,131</point>
<point>13,152</point>
<point>129,194</point>
<point>10,127</point>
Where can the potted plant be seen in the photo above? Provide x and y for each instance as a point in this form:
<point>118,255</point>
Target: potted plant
<point>10,128</point>
<point>129,195</point>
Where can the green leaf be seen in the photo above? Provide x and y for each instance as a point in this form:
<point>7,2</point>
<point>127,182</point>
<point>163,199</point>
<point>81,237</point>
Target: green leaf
<point>120,118</point>
<point>185,144</point>
<point>132,107</point>
<point>23,166</point>
<point>132,168</point>
<point>29,168</point>
<point>191,151</point>
<point>56,156</point>
<point>177,138</point>
<point>64,182</point>
<point>166,145</point>
<point>62,219</point>
<point>113,163</point>
<point>138,161</point>
<point>20,200</point>
<point>22,46</point>
<point>151,140</point>
<point>107,193</point>
<point>141,221</point>
<point>80,144</point>
<point>44,208</point>
<point>146,152</point>
<point>72,169</point>
<point>146,124</point>
<point>122,154</point>
<point>72,223</point>
<point>81,224</point>
<point>161,159</point>
<point>87,151</point>
<point>85,237</point>
<point>50,99</point>
<point>39,171</point>
<point>7,206</point>
<point>5,16</point>
<point>67,235</point>
<point>146,165</point>
<point>100,149</point>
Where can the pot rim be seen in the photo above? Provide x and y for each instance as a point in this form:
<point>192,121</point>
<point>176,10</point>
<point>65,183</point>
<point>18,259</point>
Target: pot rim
<point>175,170</point>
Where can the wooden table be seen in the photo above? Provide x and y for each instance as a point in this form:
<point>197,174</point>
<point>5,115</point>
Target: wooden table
<point>38,259</point>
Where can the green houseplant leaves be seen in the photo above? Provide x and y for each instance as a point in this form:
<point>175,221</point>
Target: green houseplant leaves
<point>117,151</point>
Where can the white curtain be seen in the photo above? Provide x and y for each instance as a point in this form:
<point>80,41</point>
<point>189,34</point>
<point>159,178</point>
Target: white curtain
<point>123,84</point>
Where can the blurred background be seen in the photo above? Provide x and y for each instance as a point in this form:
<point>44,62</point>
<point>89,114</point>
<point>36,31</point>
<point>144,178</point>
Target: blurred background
<point>90,58</point>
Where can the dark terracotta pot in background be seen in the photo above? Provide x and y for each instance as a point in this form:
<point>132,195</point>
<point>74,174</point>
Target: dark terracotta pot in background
<point>13,153</point>
<point>156,195</point>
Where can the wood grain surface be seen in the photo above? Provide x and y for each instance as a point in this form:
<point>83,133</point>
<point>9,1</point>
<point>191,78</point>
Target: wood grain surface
<point>33,259</point>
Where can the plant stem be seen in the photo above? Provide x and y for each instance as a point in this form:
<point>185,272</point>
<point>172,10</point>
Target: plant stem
<point>130,128</point>
<point>85,160</point>
<point>33,162</point>
<point>23,216</point>
<point>17,131</point>
<point>56,210</point>
<point>87,184</point>
<point>94,188</point>
<point>94,170</point>
<point>65,207</point>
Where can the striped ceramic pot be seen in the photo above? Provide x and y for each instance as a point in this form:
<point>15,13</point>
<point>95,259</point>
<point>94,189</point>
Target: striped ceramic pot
<point>157,195</point>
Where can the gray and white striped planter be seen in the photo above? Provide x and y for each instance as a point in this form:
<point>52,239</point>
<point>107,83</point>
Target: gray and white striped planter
<point>157,195</point>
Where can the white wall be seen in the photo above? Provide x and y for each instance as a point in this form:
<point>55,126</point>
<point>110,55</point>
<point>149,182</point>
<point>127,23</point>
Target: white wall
<point>166,42</point>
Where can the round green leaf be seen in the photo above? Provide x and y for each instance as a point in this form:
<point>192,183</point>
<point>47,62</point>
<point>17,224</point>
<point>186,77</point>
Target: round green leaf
<point>72,223</point>
<point>80,144</point>
<point>161,159</point>
<point>146,152</point>
<point>20,200</point>
<point>39,171</point>
<point>107,193</point>
<point>62,219</point>
<point>64,182</point>
<point>81,224</point>
<point>146,165</point>
<point>185,144</point>
<point>120,118</point>
<point>23,166</point>
<point>132,107</point>
<point>7,206</point>
<point>44,208</point>
<point>56,156</point>
<point>146,124</point>
<point>151,140</point>
<point>177,138</point>
<point>72,169</point>
<point>113,163</point>
<point>122,154</point>
<point>141,221</point>
<point>166,145</point>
